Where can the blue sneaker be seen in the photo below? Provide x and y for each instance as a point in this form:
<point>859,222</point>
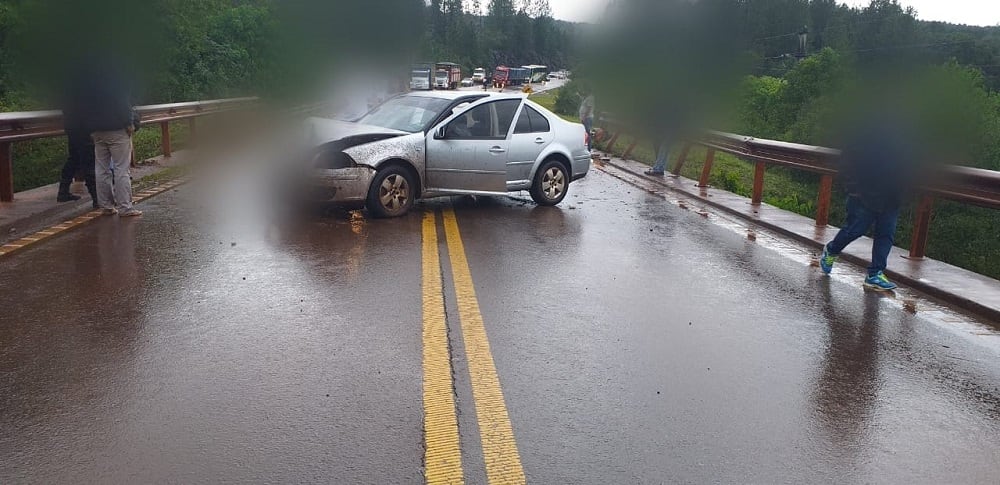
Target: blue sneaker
<point>826,260</point>
<point>879,283</point>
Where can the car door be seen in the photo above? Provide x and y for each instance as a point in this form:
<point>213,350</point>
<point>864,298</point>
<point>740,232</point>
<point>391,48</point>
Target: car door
<point>532,133</point>
<point>469,152</point>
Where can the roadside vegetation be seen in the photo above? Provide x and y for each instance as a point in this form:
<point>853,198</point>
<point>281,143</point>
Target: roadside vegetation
<point>40,162</point>
<point>795,70</point>
<point>961,235</point>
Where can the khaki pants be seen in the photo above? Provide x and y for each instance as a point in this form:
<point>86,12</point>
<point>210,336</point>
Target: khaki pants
<point>113,152</point>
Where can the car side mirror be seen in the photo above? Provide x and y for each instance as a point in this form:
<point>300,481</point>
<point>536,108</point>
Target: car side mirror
<point>439,133</point>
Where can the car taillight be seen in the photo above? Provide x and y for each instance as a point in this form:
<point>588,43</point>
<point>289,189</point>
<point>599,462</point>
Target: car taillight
<point>586,138</point>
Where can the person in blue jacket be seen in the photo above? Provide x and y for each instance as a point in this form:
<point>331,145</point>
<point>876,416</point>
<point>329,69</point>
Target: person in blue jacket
<point>875,166</point>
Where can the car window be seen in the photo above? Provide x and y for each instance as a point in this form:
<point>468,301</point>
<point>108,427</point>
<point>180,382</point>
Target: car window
<point>505,115</point>
<point>523,124</point>
<point>474,123</point>
<point>531,121</point>
<point>539,123</point>
<point>486,121</point>
<point>406,113</point>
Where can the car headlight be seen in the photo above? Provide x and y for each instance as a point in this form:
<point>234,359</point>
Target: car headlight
<point>332,160</point>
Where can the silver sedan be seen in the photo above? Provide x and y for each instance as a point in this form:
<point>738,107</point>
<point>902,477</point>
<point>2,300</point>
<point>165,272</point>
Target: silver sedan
<point>431,144</point>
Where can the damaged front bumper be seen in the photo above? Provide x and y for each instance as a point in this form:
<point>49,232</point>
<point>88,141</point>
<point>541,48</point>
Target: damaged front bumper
<point>344,186</point>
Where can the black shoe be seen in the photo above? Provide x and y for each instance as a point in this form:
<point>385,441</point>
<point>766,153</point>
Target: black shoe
<point>67,197</point>
<point>654,172</point>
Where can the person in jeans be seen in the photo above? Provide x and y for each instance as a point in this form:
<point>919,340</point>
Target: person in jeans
<point>874,165</point>
<point>80,158</point>
<point>110,119</point>
<point>662,155</point>
<point>80,146</point>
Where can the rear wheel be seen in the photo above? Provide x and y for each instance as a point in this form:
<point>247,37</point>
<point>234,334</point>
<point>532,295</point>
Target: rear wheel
<point>550,184</point>
<point>391,193</point>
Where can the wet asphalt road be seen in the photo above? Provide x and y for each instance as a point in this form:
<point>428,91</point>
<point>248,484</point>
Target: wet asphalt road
<point>635,342</point>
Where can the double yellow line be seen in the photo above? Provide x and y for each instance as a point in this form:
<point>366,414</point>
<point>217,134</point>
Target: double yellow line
<point>443,453</point>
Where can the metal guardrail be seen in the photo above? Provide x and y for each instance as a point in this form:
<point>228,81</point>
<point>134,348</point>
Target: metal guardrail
<point>33,125</point>
<point>965,185</point>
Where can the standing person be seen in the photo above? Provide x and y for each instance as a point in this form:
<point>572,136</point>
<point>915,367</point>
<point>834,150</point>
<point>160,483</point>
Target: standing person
<point>587,115</point>
<point>875,165</point>
<point>79,145</point>
<point>112,125</point>
<point>662,155</point>
<point>80,159</point>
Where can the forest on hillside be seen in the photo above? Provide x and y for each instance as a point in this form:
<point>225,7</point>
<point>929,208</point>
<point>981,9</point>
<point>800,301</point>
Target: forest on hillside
<point>790,69</point>
<point>196,49</point>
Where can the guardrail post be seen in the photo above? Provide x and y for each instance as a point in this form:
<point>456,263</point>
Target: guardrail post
<point>6,172</point>
<point>679,164</point>
<point>921,227</point>
<point>823,203</point>
<point>758,183</point>
<point>706,171</point>
<point>628,151</point>
<point>165,138</point>
<point>192,131</point>
<point>611,143</point>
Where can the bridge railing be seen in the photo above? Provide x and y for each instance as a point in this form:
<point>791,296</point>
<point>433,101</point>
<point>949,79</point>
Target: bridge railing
<point>965,185</point>
<point>32,125</point>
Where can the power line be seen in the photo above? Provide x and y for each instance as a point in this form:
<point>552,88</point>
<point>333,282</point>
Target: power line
<point>911,46</point>
<point>840,26</point>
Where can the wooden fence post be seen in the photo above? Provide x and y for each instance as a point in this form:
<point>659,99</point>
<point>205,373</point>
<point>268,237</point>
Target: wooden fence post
<point>679,164</point>
<point>6,172</point>
<point>165,138</point>
<point>758,183</point>
<point>823,203</point>
<point>193,131</point>
<point>921,227</point>
<point>628,151</point>
<point>706,171</point>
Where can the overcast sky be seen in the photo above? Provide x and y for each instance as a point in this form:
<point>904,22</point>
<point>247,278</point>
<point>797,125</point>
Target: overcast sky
<point>972,12</point>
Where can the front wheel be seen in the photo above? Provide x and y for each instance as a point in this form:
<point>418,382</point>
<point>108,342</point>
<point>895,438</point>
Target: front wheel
<point>550,184</point>
<point>391,193</point>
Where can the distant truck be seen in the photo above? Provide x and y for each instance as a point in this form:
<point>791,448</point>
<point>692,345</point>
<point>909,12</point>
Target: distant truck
<point>504,76</point>
<point>422,77</point>
<point>447,75</point>
<point>478,74</point>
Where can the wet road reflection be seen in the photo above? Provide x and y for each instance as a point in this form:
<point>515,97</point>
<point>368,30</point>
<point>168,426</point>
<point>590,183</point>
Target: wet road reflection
<point>847,388</point>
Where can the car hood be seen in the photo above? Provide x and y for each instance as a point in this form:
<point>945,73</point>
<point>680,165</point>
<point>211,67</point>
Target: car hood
<point>323,130</point>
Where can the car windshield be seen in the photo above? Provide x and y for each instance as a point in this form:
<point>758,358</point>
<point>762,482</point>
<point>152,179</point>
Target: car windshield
<point>406,113</point>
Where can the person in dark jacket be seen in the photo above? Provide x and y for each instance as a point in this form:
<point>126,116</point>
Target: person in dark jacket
<point>875,165</point>
<point>80,146</point>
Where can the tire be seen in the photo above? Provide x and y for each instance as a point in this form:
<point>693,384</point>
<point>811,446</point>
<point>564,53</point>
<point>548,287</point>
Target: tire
<point>392,192</point>
<point>551,183</point>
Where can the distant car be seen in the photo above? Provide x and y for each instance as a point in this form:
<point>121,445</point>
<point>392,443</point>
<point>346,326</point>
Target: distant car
<point>438,143</point>
<point>553,76</point>
<point>467,82</point>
